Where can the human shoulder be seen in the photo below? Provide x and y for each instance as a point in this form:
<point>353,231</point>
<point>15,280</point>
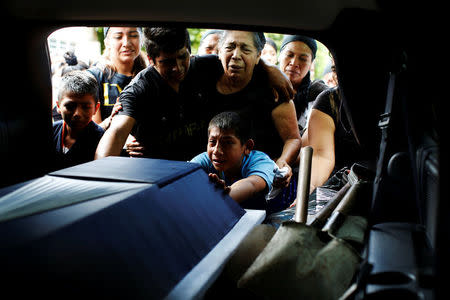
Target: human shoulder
<point>144,82</point>
<point>93,131</point>
<point>317,87</point>
<point>328,102</point>
<point>203,160</point>
<point>57,128</point>
<point>208,65</point>
<point>95,128</point>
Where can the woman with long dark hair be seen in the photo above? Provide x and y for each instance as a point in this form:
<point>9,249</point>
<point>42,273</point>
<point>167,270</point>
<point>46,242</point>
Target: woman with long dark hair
<point>121,61</point>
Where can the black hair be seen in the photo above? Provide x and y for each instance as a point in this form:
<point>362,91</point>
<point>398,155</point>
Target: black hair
<point>72,63</point>
<point>157,39</point>
<point>78,83</point>
<point>310,42</point>
<point>230,120</point>
<point>259,40</point>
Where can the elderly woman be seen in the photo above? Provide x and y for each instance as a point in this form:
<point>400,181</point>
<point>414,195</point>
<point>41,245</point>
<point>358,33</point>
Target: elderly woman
<point>121,61</point>
<point>242,87</point>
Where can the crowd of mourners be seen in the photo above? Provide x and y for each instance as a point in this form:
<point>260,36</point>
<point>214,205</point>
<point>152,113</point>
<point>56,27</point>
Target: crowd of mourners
<point>240,108</point>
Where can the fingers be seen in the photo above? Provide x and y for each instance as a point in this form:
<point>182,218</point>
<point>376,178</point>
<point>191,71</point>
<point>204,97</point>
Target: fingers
<point>117,106</point>
<point>135,154</point>
<point>219,183</point>
<point>135,149</point>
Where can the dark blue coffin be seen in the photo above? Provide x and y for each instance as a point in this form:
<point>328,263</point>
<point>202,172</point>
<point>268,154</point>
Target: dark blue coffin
<point>125,228</point>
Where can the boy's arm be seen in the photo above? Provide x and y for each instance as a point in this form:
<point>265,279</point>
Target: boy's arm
<point>280,83</point>
<point>247,188</point>
<point>112,142</point>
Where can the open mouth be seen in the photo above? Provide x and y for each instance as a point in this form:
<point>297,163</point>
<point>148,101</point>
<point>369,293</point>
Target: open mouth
<point>218,162</point>
<point>235,68</point>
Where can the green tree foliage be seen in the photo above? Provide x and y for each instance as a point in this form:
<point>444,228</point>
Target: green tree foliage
<point>100,37</point>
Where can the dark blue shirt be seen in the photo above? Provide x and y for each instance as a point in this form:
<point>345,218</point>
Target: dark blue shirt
<point>83,150</point>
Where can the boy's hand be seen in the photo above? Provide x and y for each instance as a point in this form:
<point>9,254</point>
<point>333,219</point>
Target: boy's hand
<point>220,183</point>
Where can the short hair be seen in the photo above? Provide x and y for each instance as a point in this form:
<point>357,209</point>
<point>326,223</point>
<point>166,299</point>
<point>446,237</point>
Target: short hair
<point>78,83</point>
<point>230,120</point>
<point>259,40</point>
<point>157,39</point>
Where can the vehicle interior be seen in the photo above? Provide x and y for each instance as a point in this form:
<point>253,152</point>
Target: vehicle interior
<point>378,57</point>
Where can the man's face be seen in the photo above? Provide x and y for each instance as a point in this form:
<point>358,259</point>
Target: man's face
<point>239,55</point>
<point>77,111</point>
<point>225,150</point>
<point>174,66</point>
<point>295,61</point>
<point>209,45</point>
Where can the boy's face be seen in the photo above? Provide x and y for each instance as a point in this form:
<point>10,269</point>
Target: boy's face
<point>225,150</point>
<point>77,111</point>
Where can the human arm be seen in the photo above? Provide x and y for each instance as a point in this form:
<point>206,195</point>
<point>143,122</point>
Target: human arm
<point>107,122</point>
<point>320,136</point>
<point>112,142</point>
<point>281,85</point>
<point>285,121</point>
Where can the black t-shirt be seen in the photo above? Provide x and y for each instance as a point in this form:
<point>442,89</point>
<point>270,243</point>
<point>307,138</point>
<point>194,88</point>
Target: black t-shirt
<point>109,89</point>
<point>305,96</point>
<point>255,103</point>
<point>346,148</point>
<point>170,125</point>
<point>83,150</point>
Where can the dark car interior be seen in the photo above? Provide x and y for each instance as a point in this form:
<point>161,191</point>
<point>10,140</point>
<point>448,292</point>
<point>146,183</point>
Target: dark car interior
<point>382,73</point>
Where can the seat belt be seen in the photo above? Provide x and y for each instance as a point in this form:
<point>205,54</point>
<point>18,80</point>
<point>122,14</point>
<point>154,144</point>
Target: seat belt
<point>384,124</point>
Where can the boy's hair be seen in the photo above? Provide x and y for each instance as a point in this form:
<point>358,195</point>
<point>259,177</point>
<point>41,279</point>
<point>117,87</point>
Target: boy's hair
<point>78,83</point>
<point>230,120</point>
<point>157,39</point>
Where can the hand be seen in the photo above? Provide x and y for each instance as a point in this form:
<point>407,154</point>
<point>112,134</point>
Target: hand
<point>282,182</point>
<point>219,183</point>
<point>134,148</point>
<point>107,122</point>
<point>281,85</point>
<point>117,106</point>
